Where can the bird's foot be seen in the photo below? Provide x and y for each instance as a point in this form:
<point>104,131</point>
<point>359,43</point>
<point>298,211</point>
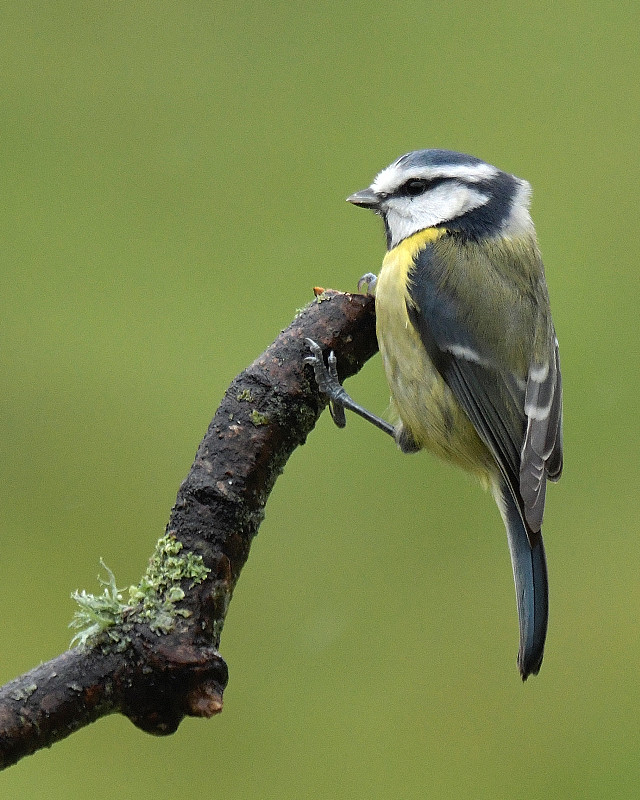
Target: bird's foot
<point>327,380</point>
<point>368,282</point>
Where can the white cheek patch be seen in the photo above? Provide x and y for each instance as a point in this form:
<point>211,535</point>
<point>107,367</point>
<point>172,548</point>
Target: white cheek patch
<point>406,215</point>
<point>519,223</point>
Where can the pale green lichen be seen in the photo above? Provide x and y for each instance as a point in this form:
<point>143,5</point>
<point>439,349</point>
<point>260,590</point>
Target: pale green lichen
<point>159,590</point>
<point>97,613</point>
<point>245,395</point>
<point>24,693</point>
<point>152,601</point>
<point>258,418</point>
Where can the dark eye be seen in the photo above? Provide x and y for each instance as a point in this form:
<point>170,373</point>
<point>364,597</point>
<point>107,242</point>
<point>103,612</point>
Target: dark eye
<point>415,186</point>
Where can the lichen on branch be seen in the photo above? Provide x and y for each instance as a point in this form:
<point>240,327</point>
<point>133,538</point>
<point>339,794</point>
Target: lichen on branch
<point>107,620</point>
<point>154,658</point>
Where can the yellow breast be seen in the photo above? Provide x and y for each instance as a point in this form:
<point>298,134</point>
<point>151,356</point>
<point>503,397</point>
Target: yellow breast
<point>425,405</point>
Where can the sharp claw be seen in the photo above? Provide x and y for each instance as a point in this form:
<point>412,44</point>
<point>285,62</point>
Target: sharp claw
<point>368,282</point>
<point>333,366</point>
<point>337,414</point>
<point>314,347</point>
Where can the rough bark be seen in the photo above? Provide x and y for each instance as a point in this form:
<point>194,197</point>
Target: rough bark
<point>158,679</point>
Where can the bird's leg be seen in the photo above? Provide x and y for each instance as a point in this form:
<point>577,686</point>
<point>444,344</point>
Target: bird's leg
<point>328,383</point>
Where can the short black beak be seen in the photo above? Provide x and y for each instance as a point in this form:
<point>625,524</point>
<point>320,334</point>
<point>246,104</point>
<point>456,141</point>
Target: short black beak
<point>367,198</point>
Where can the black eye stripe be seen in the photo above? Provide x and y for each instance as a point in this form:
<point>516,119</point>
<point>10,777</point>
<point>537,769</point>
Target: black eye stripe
<point>414,187</point>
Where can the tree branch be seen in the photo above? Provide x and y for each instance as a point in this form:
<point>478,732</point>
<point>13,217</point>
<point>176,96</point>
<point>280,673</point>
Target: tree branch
<point>157,661</point>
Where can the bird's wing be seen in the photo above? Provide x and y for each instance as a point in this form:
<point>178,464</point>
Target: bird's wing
<point>518,416</point>
<point>541,455</point>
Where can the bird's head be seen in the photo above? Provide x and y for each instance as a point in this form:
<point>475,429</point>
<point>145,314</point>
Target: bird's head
<point>440,188</point>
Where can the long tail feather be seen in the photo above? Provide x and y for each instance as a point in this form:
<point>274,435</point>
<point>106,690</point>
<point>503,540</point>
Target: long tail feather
<point>532,589</point>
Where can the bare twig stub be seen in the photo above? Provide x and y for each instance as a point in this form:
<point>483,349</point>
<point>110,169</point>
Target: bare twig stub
<point>158,674</point>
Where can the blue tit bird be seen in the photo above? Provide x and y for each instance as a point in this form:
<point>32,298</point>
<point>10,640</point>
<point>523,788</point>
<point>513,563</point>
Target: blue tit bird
<point>469,347</point>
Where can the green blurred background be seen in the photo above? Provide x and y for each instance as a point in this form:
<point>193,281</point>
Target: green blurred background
<point>173,184</point>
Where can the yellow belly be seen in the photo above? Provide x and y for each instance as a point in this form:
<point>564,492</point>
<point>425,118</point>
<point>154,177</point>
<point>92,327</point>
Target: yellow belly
<point>424,403</point>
